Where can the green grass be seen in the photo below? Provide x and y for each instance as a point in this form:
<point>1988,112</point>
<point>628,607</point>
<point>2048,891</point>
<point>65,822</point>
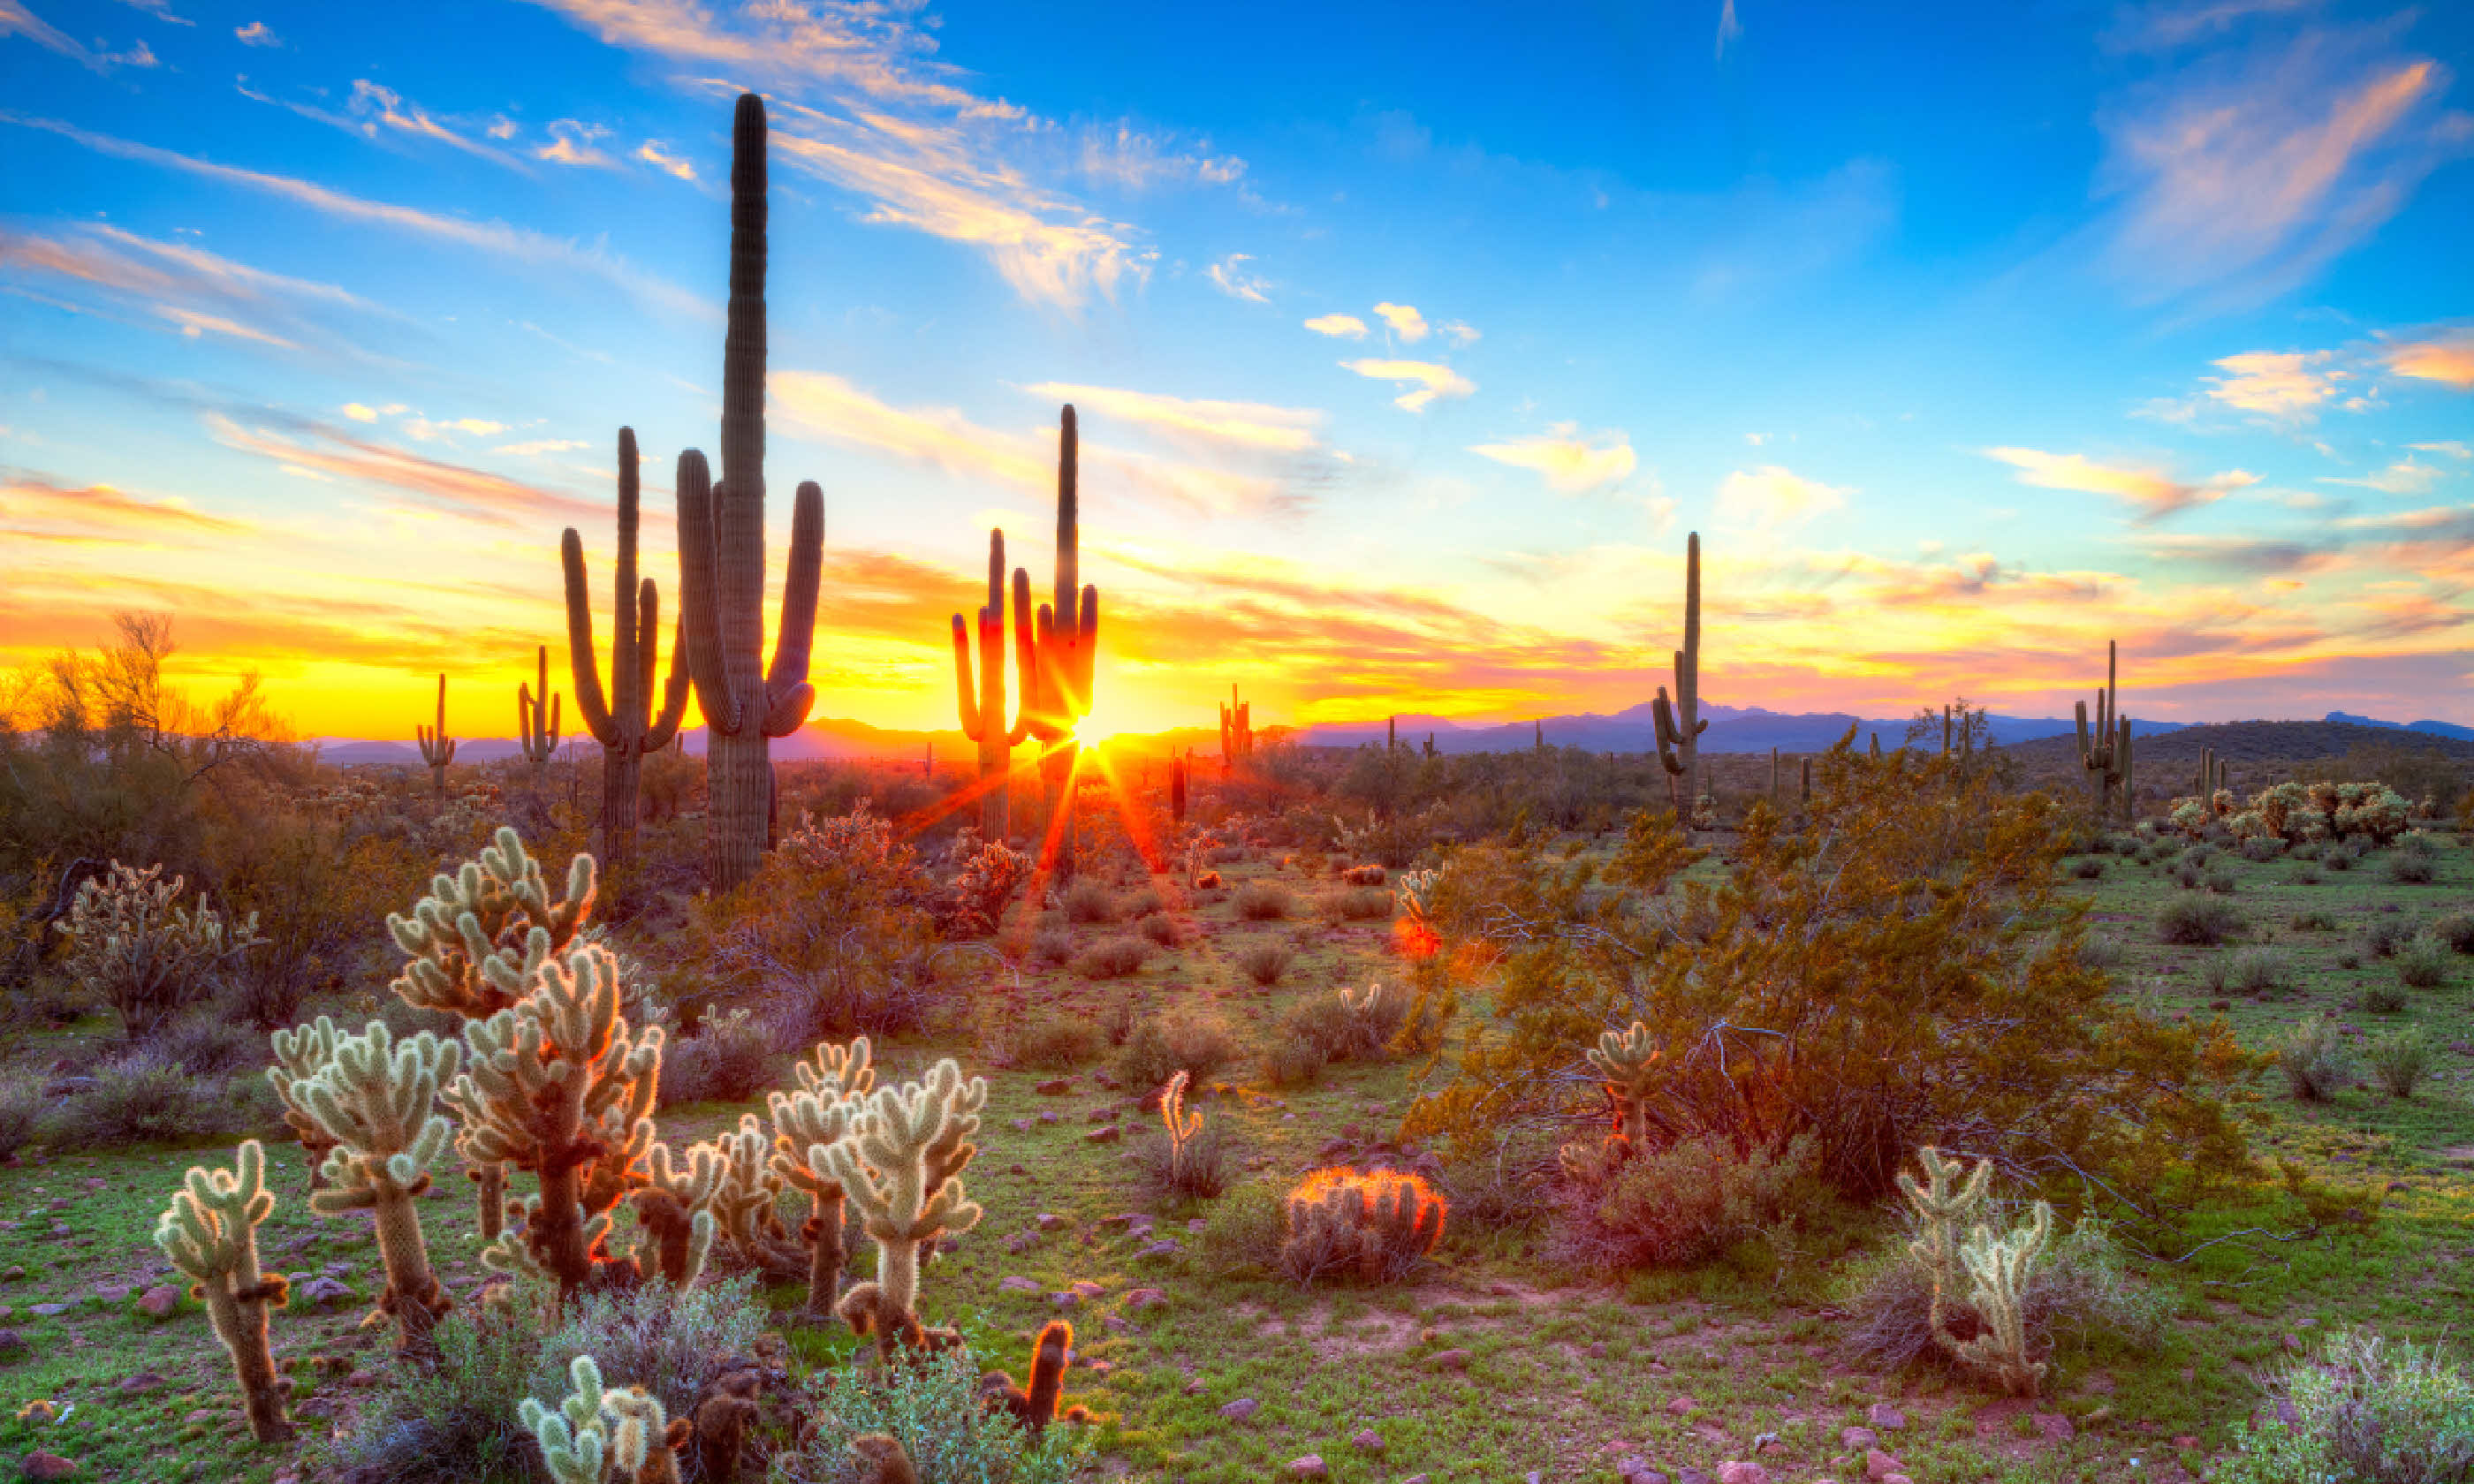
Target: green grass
<point>1563,1375</point>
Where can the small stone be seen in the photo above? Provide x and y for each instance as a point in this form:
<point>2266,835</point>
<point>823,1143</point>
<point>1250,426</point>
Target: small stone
<point>161,1301</point>
<point>1166,1247</point>
<point>1598,1349</point>
<point>320,1291</point>
<point>1857,1439</point>
<point>1241,1409</point>
<point>47,1466</point>
<point>1055,1086</point>
<point>12,1343</point>
<point>1693,1476</point>
<point>1681,1405</point>
<point>47,1310</point>
<point>141,1383</point>
<point>1019,1125</point>
<point>1449,1360</point>
<point>1115,1324</point>
<point>1067,1299</point>
<point>1310,1466</point>
<point>1632,1468</point>
<point>1087,1290</point>
<point>1885,1417</point>
<point>1197,1224</point>
<point>1105,1135</point>
<point>1368,1442</point>
<point>1878,1464</point>
<point>208,1414</point>
<point>110,1292</point>
<point>1738,1472</point>
<point>1424,1478</point>
<point>1048,1115</point>
<point>1018,1285</point>
<point>2185,1441</point>
<point>1016,1242</point>
<point>1145,1298</point>
<point>1050,1221</point>
<point>1107,1115</point>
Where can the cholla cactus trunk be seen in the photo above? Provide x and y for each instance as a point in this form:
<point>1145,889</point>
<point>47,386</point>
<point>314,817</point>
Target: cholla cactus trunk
<point>982,713</point>
<point>536,717</point>
<point>374,1097</point>
<point>625,724</point>
<point>2001,1268</point>
<point>722,557</point>
<point>489,1198</point>
<point>210,1235</point>
<point>1679,722</point>
<point>901,1168</point>
<point>833,1085</point>
<point>437,748</point>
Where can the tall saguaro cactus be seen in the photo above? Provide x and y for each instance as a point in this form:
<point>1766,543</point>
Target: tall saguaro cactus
<point>1055,657</point>
<point>437,748</point>
<point>2106,756</point>
<point>625,724</point>
<point>537,716</point>
<point>210,1235</point>
<point>983,705</point>
<point>721,557</point>
<point>1679,722</point>
<point>1236,731</point>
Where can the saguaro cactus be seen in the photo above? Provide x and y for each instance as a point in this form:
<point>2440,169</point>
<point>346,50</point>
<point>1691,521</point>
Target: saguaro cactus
<point>210,1233</point>
<point>2212,778</point>
<point>1055,657</point>
<point>1176,787</point>
<point>902,1166</point>
<point>374,1099</point>
<point>625,724</point>
<point>437,748</point>
<point>1679,722</point>
<point>1236,731</point>
<point>536,717</point>
<point>722,557</point>
<point>983,705</point>
<point>2106,756</point>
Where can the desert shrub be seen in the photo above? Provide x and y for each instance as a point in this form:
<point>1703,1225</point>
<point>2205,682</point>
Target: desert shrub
<point>2186,876</point>
<point>1294,1059</point>
<point>142,1096</point>
<point>1117,1019</point>
<point>211,1043</point>
<point>2082,1289</point>
<point>729,1059</point>
<point>2407,870</point>
<point>933,1409</point>
<point>1145,903</point>
<point>1265,963</point>
<point>2198,922</point>
<point>137,950</point>
<point>1242,1236</point>
<point>1160,928</point>
<point>2385,999</point>
<point>2312,921</point>
<point>1201,1174</point>
<point>1375,1226</point>
<point>456,1420</point>
<point>1053,1043</point>
<point>1262,901</point>
<point>1369,874</point>
<point>1089,901</point>
<point>22,1107</point>
<point>1052,946</point>
<point>1365,905</point>
<point>1676,1205</point>
<point>2398,1059</point>
<point>1112,958</point>
<point>2262,848</point>
<point>990,873</point>
<point>2364,1411</point>
<point>2385,935</point>
<point>1197,1041</point>
<point>2262,968</point>
<point>663,1339</point>
<point>2338,858</point>
<point>1349,1025</point>
<point>2417,843</point>
<point>2423,963</point>
<point>2088,867</point>
<point>2308,850</point>
<point>2200,854</point>
<point>2315,1061</point>
<point>2223,881</point>
<point>2103,953</point>
<point>2308,875</point>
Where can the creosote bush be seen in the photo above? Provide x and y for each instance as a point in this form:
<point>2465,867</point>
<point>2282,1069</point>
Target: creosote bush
<point>1160,928</point>
<point>2315,1061</point>
<point>1051,1042</point>
<point>1195,1041</point>
<point>2457,931</point>
<point>2198,922</point>
<point>729,1059</point>
<point>1262,901</point>
<point>2411,870</point>
<point>933,1409</point>
<point>1112,958</point>
<point>2398,1060</point>
<point>1683,1203</point>
<point>1264,963</point>
<point>1089,901</point>
<point>2423,963</point>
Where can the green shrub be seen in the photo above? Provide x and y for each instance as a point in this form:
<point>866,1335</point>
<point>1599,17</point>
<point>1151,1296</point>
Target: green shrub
<point>1294,1059</point>
<point>2263,848</point>
<point>2083,1288</point>
<point>729,1059</point>
<point>2338,858</point>
<point>2385,999</point>
<point>2312,921</point>
<point>2088,867</point>
<point>2315,1061</point>
<point>1052,1042</point>
<point>1052,946</point>
<point>1201,1174</point>
<point>2386,935</point>
<point>1112,958</point>
<point>1362,903</point>
<point>1265,963</point>
<point>1089,901</point>
<point>211,1044</point>
<point>2262,968</point>
<point>1145,903</point>
<point>1242,1236</point>
<point>2198,922</point>
<point>2364,1411</point>
<point>142,1097</point>
<point>2223,881</point>
<point>2398,1059</point>
<point>22,1105</point>
<point>1262,901</point>
<point>2407,870</point>
<point>2423,963</point>
<point>663,1339</point>
<point>2105,954</point>
<point>2308,875</point>
<point>1693,1200</point>
<point>2457,931</point>
<point>933,1407</point>
<point>1198,1041</point>
<point>456,1420</point>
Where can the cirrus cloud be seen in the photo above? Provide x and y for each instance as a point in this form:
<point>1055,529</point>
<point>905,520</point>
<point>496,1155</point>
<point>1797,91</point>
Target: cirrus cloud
<point>1569,463</point>
<point>1432,381</point>
<point>2152,492</point>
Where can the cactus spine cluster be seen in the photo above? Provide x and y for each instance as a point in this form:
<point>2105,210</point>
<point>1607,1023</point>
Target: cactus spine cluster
<point>1236,731</point>
<point>901,1166</point>
<point>1034,1406</point>
<point>437,748</point>
<point>1679,722</point>
<point>721,557</point>
<point>1626,1063</point>
<point>1375,1223</point>
<point>537,716</point>
<point>982,701</point>
<point>832,1091</point>
<point>625,724</point>
<point>2106,754</point>
<point>1185,1127</point>
<point>374,1099</point>
<point>210,1233</point>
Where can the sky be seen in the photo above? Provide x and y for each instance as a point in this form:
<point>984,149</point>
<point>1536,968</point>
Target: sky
<point>1407,343</point>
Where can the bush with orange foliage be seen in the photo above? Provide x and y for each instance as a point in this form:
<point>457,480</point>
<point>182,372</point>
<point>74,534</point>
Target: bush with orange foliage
<point>1901,971</point>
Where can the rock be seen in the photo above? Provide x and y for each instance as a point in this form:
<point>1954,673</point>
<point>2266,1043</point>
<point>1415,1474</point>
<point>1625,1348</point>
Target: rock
<point>1735,1472</point>
<point>1048,1115</point>
<point>1241,1409</point>
<point>208,1414</point>
<point>1165,1246</point>
<point>1418,1478</point>
<point>141,1383</point>
<point>1087,1290</point>
<point>1857,1439</point>
<point>1016,1242</point>
<point>40,1465</point>
<point>321,1291</point>
<point>12,1343</point>
<point>1105,1135</point>
<point>1632,1468</point>
<point>1197,1224</point>
<point>1449,1360</point>
<point>1885,1417</point>
<point>1196,1387</point>
<point>1122,1220</point>
<point>1145,1298</point>
<point>1693,1476</point>
<point>1115,1324</point>
<point>2185,1441</point>
<point>1878,1464</point>
<point>160,1302</point>
<point>1055,1086</point>
<point>1310,1466</point>
<point>1368,1441</point>
<point>1107,1114</point>
<point>1050,1221</point>
<point>1067,1299</point>
<point>47,1310</point>
<point>1019,1125</point>
<point>1598,1349</point>
<point>111,1293</point>
<point>1018,1285</point>
<point>1681,1405</point>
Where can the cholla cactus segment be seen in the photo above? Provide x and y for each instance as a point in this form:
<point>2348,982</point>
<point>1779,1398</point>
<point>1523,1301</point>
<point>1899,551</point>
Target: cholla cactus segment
<point>1944,1201</point>
<point>2000,1268</point>
<point>746,1195</point>
<point>134,945</point>
<point>674,1207</point>
<point>806,1125</point>
<point>836,1072</point>
<point>901,1166</point>
<point>1626,1063</point>
<point>574,1440</point>
<point>474,939</point>
<point>641,1441</point>
<point>298,1054</point>
<point>1182,1127</point>
<point>209,1232</point>
<point>374,1099</point>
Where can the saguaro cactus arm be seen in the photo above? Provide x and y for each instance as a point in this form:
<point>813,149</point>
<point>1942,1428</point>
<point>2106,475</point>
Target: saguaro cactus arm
<point>437,748</point>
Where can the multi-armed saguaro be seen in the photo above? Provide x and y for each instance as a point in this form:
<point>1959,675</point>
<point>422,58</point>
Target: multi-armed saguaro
<point>2212,778</point>
<point>1236,731</point>
<point>1679,723</point>
<point>1056,662</point>
<point>536,717</point>
<point>721,557</point>
<point>983,704</point>
<point>437,748</point>
<point>624,725</point>
<point>2106,756</point>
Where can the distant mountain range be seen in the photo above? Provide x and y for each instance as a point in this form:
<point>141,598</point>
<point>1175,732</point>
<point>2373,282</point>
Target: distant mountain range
<point>1732,729</point>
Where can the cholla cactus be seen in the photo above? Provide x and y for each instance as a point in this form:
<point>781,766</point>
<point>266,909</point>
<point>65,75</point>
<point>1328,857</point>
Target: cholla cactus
<point>437,748</point>
<point>1376,1224</point>
<point>560,1085</point>
<point>2001,1267</point>
<point>901,1166</point>
<point>210,1235</point>
<point>134,945</point>
<point>1626,1063</point>
<point>372,1098</point>
<point>643,1443</point>
<point>1182,1127</point>
<point>1949,1195</point>
<point>675,1206</point>
<point>833,1084</point>
<point>574,1440</point>
<point>299,1053</point>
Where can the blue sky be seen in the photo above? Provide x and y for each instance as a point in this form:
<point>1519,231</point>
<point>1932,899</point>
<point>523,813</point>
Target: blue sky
<point>1407,345</point>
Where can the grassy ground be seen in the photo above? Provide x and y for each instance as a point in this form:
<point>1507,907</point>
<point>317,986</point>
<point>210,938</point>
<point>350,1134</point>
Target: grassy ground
<point>1493,1365</point>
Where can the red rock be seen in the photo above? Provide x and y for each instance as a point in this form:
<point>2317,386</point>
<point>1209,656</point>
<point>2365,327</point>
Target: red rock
<point>1145,1298</point>
<point>1878,1464</point>
<point>1368,1442</point>
<point>1857,1439</point>
<point>1449,1359</point>
<point>1681,1405</point>
<point>47,1466</point>
<point>161,1301</point>
<point>1103,1136</point>
<point>1310,1466</point>
<point>1735,1472</point>
<point>1885,1417</point>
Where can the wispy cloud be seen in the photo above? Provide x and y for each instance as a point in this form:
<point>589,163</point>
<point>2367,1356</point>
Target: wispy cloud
<point>1230,276</point>
<point>256,33</point>
<point>573,142</point>
<point>196,292</point>
<point>2454,448</point>
<point>1772,498</point>
<point>2152,492</point>
<point>2446,357</point>
<point>2284,386</point>
<point>2163,27</point>
<point>475,495</point>
<point>1339,326</point>
<point>521,244</point>
<point>540,446</point>
<point>1200,423</point>
<point>39,508</point>
<point>1430,380</point>
<point>656,153</point>
<point>1404,319</point>
<point>1570,462</point>
<point>2406,476</point>
<point>1729,29</point>
<point>16,20</point>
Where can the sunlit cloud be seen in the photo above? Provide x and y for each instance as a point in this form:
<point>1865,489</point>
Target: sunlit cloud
<point>1571,464</point>
<point>424,430</point>
<point>2453,447</point>
<point>827,406</point>
<point>15,19</point>
<point>540,446</point>
<point>1199,422</point>
<point>2285,386</point>
<point>1136,159</point>
<point>255,33</point>
<point>1230,276</point>
<point>1432,381</point>
<point>2407,476</point>
<point>2151,492</point>
<point>1339,326</point>
<point>160,10</point>
<point>1773,499</point>
<point>360,412</point>
<point>571,143</point>
<point>2446,357</point>
<point>196,292</point>
<point>476,494</point>
<point>656,153</point>
<point>1459,332</point>
<point>1404,319</point>
<point>36,508</point>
